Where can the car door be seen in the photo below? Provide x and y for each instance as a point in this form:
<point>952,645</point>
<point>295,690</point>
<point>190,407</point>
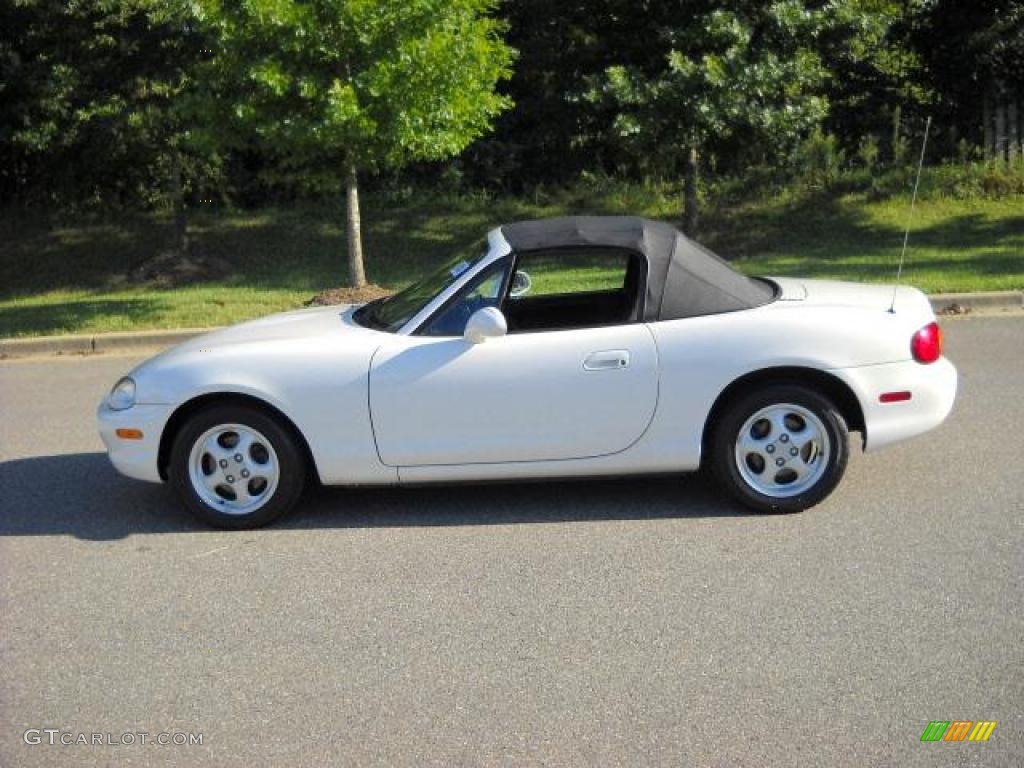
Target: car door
<point>523,397</point>
<point>545,391</point>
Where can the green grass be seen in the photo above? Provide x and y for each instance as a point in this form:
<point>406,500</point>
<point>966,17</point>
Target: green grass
<point>73,278</point>
<point>955,245</point>
<point>596,272</point>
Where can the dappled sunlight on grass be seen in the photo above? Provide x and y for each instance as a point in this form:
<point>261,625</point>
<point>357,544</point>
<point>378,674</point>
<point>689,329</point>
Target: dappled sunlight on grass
<point>975,245</point>
<point>73,312</point>
<point>76,279</point>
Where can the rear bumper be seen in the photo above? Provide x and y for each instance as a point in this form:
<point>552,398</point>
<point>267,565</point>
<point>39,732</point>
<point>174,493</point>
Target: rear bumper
<point>134,458</point>
<point>932,392</point>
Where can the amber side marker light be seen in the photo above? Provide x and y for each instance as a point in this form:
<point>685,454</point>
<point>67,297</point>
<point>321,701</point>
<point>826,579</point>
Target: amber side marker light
<point>128,434</point>
<point>893,397</point>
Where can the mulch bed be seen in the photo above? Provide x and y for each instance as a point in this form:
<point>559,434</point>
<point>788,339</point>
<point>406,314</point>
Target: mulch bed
<point>368,292</point>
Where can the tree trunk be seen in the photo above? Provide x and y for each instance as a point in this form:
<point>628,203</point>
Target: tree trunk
<point>180,234</point>
<point>690,217</point>
<point>1014,146</point>
<point>897,120</point>
<point>1000,148</point>
<point>356,271</point>
<point>986,117</point>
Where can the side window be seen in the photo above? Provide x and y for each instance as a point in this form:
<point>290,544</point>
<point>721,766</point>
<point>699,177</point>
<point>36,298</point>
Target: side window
<point>567,288</point>
<point>571,271</point>
<point>484,291</point>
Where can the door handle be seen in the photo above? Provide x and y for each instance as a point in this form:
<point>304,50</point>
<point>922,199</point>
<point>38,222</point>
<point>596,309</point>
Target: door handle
<point>608,360</point>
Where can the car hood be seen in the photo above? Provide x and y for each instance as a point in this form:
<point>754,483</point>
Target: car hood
<point>262,344</point>
<point>285,326</point>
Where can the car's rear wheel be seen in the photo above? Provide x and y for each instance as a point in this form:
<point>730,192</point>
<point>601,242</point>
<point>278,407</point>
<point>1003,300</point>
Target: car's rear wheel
<point>236,467</point>
<point>782,448</point>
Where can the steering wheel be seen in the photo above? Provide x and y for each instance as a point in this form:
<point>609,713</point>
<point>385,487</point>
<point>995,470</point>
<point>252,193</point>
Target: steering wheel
<point>521,284</point>
<point>453,321</point>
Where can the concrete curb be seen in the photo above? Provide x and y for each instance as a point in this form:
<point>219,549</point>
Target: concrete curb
<point>943,303</point>
<point>994,301</point>
<point>36,346</point>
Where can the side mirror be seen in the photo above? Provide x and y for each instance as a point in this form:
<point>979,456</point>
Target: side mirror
<point>484,324</point>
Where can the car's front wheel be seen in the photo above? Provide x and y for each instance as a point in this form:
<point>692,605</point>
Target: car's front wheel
<point>782,448</point>
<point>236,467</point>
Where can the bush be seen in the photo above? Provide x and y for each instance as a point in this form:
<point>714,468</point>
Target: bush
<point>867,152</point>
<point>819,160</point>
<point>963,181</point>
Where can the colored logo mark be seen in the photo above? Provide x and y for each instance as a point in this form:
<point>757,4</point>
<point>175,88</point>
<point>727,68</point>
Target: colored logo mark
<point>958,730</point>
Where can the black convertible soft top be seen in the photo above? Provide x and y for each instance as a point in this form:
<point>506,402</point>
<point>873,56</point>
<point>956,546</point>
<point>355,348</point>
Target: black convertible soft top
<point>684,279</point>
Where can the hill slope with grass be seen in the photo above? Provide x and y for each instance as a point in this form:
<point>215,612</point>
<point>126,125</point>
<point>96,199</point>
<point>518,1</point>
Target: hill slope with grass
<point>88,277</point>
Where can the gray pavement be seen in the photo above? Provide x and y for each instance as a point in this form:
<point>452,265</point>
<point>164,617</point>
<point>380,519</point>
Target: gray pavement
<point>612,622</point>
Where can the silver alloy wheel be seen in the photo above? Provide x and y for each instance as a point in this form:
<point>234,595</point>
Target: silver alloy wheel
<point>782,450</point>
<point>233,469</point>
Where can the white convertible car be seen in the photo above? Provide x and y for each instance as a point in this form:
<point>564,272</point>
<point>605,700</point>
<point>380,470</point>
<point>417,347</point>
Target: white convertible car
<point>564,347</point>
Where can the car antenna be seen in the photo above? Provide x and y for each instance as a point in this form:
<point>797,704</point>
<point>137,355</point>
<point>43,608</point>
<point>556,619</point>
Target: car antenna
<point>910,216</point>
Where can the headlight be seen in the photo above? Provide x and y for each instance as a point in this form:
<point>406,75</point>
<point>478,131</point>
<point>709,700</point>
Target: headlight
<point>122,396</point>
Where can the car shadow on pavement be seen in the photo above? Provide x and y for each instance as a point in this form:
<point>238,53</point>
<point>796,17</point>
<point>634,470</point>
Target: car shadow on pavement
<point>81,495</point>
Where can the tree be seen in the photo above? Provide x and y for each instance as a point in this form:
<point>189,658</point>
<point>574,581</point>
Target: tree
<point>555,132</point>
<point>974,54</point>
<point>334,88</point>
<point>93,97</point>
<point>875,81</point>
<point>714,71</point>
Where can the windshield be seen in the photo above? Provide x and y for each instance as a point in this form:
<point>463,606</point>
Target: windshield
<point>392,313</point>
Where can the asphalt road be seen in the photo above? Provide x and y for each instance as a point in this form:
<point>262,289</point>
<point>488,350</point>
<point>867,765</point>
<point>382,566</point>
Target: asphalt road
<point>613,622</point>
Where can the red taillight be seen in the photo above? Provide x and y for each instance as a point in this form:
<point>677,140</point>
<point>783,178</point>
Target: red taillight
<point>926,345</point>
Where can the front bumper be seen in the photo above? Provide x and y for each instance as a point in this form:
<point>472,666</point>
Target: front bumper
<point>932,388</point>
<point>134,458</point>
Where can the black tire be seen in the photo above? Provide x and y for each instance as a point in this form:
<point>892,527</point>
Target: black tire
<point>291,465</point>
<point>724,461</point>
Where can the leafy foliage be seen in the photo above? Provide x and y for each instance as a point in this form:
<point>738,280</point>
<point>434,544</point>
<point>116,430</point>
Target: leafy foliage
<point>93,99</point>
<point>722,71</point>
<point>373,83</point>
<point>820,159</point>
<point>103,103</point>
<point>876,80</point>
<point>968,50</point>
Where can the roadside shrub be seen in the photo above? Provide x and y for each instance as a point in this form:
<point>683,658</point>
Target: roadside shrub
<point>900,151</point>
<point>1002,180</point>
<point>867,152</point>
<point>963,181</point>
<point>819,159</point>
